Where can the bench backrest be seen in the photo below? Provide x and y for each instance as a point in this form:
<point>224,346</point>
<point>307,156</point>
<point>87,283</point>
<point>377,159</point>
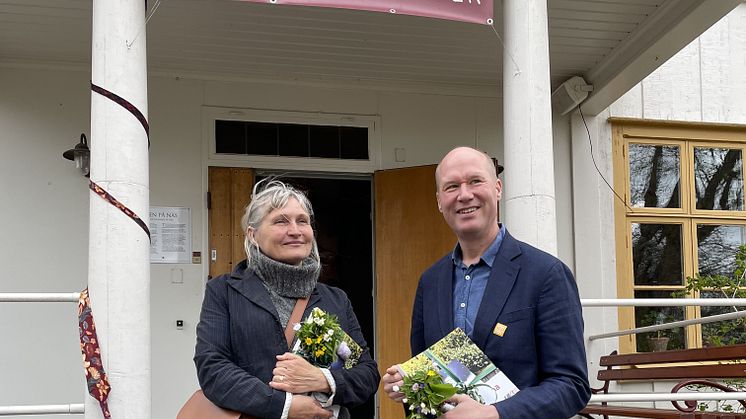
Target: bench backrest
<point>660,370</point>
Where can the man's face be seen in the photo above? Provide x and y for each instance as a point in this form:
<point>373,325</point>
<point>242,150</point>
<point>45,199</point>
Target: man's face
<point>468,193</point>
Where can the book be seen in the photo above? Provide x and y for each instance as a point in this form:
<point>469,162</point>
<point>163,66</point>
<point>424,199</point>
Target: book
<point>462,364</point>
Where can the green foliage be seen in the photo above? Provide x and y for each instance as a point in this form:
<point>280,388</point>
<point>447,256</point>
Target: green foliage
<point>728,332</point>
<point>425,392</point>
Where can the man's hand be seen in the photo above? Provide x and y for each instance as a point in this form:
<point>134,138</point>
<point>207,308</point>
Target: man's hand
<point>304,407</point>
<point>392,382</point>
<point>468,408</point>
<point>294,374</point>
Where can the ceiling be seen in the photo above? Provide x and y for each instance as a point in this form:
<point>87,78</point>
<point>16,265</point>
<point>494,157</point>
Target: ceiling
<point>599,39</point>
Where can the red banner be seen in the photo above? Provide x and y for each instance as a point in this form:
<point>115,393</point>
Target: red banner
<point>475,11</point>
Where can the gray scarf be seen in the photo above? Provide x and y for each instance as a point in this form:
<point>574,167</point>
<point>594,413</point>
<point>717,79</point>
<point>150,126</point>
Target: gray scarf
<point>285,283</point>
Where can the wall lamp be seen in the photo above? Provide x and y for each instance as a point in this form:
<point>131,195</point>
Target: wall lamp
<point>81,155</point>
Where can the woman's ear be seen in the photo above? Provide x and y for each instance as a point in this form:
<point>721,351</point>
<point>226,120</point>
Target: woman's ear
<point>250,234</point>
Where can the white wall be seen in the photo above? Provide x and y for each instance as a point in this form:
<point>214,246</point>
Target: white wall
<point>44,227</point>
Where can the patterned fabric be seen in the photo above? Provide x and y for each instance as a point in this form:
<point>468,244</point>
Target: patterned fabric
<point>113,201</point>
<point>140,117</point>
<point>126,105</point>
<point>98,384</point>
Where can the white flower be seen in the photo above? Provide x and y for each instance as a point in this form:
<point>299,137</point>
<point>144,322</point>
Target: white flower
<point>395,388</point>
<point>309,320</point>
<point>319,321</point>
<point>422,405</point>
<point>404,400</point>
<point>296,327</point>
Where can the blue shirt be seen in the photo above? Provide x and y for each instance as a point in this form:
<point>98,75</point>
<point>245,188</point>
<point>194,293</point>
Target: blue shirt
<point>469,283</point>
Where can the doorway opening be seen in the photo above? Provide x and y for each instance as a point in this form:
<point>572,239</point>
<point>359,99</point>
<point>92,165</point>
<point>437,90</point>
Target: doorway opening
<point>344,231</point>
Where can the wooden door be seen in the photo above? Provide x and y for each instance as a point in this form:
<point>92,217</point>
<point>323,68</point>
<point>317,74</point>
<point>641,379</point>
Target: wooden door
<point>410,236</point>
<point>229,190</point>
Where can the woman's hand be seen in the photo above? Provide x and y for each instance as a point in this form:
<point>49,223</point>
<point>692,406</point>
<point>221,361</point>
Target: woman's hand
<point>304,407</point>
<point>294,374</point>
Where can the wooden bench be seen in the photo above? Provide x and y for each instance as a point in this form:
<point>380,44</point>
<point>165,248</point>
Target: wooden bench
<point>690,366</point>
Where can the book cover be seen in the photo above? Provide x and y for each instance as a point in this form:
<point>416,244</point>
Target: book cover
<point>462,364</point>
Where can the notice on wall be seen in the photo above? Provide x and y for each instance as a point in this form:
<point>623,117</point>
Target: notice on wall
<point>170,235</point>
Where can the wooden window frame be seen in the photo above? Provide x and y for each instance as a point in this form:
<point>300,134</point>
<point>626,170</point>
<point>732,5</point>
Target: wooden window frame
<point>686,135</point>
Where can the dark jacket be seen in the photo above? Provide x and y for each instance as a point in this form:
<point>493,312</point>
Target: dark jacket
<point>239,334</point>
<point>542,349</point>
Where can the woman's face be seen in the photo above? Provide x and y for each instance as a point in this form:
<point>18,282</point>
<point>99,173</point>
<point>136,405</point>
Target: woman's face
<point>285,234</point>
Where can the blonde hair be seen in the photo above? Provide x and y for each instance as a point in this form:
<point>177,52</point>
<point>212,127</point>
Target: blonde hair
<point>270,194</point>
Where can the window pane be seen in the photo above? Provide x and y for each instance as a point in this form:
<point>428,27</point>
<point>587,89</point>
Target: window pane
<point>718,178</point>
<point>727,332</point>
<point>262,138</point>
<point>654,176</point>
<point>656,254</point>
<point>325,141</point>
<point>354,143</point>
<point>717,246</point>
<point>293,140</point>
<point>230,137</point>
<point>648,316</point>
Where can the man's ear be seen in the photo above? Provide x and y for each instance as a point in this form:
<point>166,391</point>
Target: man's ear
<point>499,187</point>
<point>437,199</point>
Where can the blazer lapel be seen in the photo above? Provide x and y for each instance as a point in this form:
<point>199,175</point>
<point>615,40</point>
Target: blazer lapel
<point>444,306</point>
<point>250,286</point>
<point>501,281</point>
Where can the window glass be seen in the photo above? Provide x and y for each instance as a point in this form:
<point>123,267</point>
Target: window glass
<point>648,316</point>
<point>654,175</point>
<point>717,246</point>
<point>261,139</point>
<point>656,254</point>
<point>230,137</point>
<point>718,178</point>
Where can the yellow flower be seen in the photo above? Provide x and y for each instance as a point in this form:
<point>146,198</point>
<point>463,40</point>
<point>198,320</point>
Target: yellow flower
<point>320,351</point>
<point>318,340</point>
<point>309,341</point>
<point>431,373</point>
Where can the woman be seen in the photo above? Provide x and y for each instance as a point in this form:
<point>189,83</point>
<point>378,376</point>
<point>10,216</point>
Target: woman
<point>242,355</point>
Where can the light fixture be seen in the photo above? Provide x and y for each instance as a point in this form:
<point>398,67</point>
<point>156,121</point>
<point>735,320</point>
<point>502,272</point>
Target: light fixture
<point>81,155</point>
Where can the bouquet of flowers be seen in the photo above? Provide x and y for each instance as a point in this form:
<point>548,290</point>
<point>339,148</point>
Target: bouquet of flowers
<point>452,365</point>
<point>425,393</point>
<point>323,343</point>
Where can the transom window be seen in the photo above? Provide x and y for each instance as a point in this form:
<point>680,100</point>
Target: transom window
<point>683,214</point>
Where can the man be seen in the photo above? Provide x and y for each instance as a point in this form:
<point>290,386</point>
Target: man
<point>517,303</point>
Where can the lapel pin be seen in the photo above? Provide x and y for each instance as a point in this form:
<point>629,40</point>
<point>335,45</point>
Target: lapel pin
<point>500,329</point>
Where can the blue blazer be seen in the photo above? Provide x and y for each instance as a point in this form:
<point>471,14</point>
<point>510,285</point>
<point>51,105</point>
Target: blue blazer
<point>542,350</point>
<point>239,334</point>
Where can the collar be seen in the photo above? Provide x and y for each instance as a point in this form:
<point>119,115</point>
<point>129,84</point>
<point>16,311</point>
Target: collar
<point>488,257</point>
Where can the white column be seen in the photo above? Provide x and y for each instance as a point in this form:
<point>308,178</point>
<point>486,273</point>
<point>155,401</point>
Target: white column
<point>528,192</point>
<point>119,267</point>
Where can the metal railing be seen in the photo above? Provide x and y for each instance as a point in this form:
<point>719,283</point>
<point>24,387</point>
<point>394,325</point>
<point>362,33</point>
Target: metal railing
<point>44,409</point>
<point>39,297</point>
<point>666,302</point>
